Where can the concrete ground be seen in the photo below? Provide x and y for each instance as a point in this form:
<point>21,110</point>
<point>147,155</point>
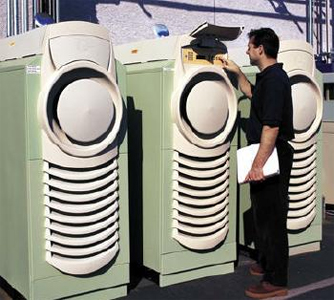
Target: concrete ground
<point>311,276</point>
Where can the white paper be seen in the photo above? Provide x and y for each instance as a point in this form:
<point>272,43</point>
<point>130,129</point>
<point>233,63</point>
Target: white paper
<point>245,158</point>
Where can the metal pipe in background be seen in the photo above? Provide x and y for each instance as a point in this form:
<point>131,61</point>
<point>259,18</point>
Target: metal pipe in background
<point>9,19</point>
<point>34,8</point>
<point>57,11</point>
<point>320,27</point>
<point>328,55</point>
<point>38,6</point>
<point>50,8</point>
<point>18,13</point>
<point>24,16</point>
<point>27,14</point>
<point>310,22</point>
<point>12,17</point>
<point>15,19</point>
<point>53,9</point>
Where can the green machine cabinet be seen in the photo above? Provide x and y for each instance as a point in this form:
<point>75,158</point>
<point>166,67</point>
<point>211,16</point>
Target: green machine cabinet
<point>64,184</point>
<point>182,181</point>
<point>305,194</point>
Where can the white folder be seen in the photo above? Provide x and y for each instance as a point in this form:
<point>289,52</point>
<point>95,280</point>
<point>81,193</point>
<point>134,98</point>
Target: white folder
<point>245,158</point>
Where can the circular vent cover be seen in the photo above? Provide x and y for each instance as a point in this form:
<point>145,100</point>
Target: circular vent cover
<point>207,100</point>
<point>204,107</point>
<point>307,105</point>
<point>81,109</point>
<point>304,106</point>
<point>85,110</point>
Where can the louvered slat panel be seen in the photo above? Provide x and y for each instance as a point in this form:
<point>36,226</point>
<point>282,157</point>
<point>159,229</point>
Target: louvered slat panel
<point>82,219</point>
<point>196,164</point>
<point>203,230</point>
<point>81,241</point>
<point>200,201</point>
<point>83,229</point>
<point>302,222</point>
<point>305,154</point>
<point>83,175</point>
<point>304,163</point>
<point>81,266</point>
<point>303,195</point>
<point>303,171</point>
<point>205,183</point>
<point>303,187</point>
<point>200,221</point>
<point>301,212</point>
<point>200,173</point>
<point>302,179</point>
<point>80,187</point>
<point>302,203</point>
<point>84,251</point>
<point>200,212</point>
<point>79,198</point>
<point>200,193</point>
<point>82,208</point>
<point>203,242</point>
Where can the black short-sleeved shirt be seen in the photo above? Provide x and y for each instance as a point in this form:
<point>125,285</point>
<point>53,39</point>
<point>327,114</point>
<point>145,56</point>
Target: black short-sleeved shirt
<point>271,104</point>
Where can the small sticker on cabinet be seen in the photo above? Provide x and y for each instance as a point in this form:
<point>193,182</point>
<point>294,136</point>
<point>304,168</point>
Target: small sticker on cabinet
<point>33,69</point>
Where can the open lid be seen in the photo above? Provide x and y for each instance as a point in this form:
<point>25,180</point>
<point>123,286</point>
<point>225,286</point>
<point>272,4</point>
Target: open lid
<point>221,32</point>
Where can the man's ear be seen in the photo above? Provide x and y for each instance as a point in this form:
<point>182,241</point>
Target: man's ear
<point>261,49</point>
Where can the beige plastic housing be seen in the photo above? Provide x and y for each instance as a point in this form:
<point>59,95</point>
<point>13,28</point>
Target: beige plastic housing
<point>297,55</point>
<point>298,62</point>
<point>204,109</point>
<point>80,111</point>
<point>80,147</point>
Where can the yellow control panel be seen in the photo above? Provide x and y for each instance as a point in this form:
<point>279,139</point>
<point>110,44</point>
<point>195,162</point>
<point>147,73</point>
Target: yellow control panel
<point>201,57</point>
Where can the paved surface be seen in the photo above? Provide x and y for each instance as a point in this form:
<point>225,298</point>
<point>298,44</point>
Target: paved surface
<point>311,276</point>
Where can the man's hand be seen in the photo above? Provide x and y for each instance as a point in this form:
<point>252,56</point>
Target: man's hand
<point>230,65</point>
<point>255,174</point>
<point>267,145</point>
<point>244,84</point>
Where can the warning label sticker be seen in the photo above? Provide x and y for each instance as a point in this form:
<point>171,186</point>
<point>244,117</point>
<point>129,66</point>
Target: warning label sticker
<point>33,69</point>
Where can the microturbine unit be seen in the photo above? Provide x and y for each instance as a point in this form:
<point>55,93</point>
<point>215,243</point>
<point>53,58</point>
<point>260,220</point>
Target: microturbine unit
<point>182,111</point>
<point>65,197</point>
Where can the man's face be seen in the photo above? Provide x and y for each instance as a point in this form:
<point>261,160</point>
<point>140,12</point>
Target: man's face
<point>253,52</point>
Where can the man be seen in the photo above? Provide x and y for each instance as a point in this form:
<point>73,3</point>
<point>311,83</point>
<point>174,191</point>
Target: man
<point>270,124</point>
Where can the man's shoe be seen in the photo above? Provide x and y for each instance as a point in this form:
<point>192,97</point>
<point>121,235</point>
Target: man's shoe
<point>256,269</point>
<point>266,290</point>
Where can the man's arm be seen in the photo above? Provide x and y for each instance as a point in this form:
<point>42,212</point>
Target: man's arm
<point>243,83</point>
<point>267,145</point>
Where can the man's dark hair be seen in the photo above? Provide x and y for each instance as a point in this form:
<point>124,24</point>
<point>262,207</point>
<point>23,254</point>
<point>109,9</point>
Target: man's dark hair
<point>267,38</point>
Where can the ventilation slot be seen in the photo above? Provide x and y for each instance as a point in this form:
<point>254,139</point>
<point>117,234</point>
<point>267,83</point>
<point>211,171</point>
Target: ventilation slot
<point>200,200</point>
<point>81,211</point>
<point>302,189</point>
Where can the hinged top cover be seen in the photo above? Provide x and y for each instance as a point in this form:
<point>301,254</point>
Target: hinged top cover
<point>221,32</point>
